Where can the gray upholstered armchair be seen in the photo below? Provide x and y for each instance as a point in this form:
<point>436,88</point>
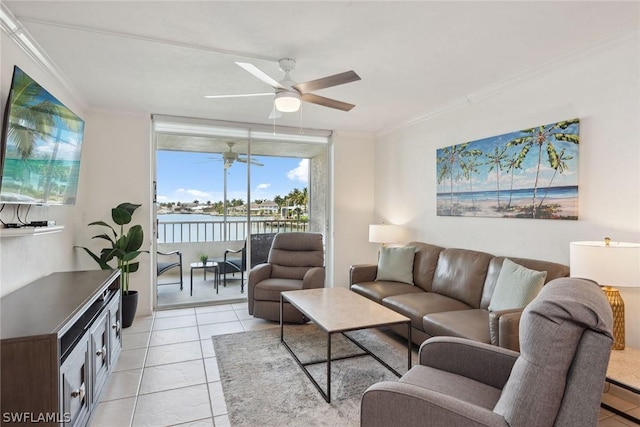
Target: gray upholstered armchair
<point>296,261</point>
<point>556,380</point>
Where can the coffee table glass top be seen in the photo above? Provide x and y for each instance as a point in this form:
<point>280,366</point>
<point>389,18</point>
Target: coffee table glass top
<point>339,309</point>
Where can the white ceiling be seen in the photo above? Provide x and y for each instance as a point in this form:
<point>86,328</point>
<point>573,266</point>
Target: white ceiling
<point>414,58</point>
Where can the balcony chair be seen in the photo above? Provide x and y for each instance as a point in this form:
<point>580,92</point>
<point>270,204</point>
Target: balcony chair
<point>174,260</point>
<point>557,379</point>
<point>296,261</point>
<point>232,263</point>
<point>260,245</point>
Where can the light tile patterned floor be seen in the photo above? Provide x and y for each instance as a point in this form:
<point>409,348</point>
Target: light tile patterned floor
<point>167,373</point>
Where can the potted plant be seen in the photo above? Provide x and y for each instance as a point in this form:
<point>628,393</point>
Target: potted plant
<point>124,246</point>
<point>204,258</point>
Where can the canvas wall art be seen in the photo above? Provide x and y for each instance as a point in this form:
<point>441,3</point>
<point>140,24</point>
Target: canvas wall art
<point>532,173</point>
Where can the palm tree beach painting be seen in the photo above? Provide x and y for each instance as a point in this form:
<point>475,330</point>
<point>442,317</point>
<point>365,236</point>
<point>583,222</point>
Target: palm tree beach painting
<point>532,173</point>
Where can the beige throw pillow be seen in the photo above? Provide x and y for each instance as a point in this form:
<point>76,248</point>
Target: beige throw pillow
<point>516,286</point>
<point>396,264</point>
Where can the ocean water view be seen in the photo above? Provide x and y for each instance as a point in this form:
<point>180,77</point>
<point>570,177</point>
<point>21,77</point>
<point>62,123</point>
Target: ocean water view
<point>558,202</point>
<point>185,228</point>
<point>516,194</point>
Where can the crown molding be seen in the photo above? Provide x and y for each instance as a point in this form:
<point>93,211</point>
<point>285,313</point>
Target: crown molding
<point>502,85</point>
<point>166,42</point>
<point>16,32</point>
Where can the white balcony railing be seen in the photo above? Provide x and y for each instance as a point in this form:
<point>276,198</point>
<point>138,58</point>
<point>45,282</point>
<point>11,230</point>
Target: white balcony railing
<point>214,231</point>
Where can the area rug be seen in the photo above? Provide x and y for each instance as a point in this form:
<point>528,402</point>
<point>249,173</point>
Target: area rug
<point>263,385</point>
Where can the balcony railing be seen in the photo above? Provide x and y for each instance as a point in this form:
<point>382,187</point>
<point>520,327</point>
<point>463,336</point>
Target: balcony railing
<point>214,231</point>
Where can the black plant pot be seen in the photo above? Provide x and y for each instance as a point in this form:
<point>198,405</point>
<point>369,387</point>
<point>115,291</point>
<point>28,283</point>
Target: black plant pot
<point>129,307</point>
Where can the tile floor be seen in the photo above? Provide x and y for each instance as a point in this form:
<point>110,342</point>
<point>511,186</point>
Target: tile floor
<point>167,373</point>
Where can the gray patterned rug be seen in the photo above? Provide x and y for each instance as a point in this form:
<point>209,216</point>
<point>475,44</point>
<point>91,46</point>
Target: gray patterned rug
<point>263,385</point>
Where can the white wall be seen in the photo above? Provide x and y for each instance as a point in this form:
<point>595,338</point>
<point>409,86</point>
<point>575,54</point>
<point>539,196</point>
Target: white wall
<point>24,259</point>
<point>602,88</point>
<point>116,169</point>
<point>352,208</point>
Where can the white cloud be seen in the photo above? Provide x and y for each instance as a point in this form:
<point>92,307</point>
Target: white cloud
<point>301,173</point>
<point>197,193</point>
<point>263,186</point>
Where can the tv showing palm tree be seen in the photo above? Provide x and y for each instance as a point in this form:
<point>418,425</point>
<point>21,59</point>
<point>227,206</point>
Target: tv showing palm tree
<point>41,146</point>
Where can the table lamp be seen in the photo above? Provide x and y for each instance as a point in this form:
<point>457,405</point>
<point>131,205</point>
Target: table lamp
<point>610,264</point>
<point>384,233</point>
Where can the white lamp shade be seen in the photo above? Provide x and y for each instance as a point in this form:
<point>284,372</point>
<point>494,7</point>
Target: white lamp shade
<point>617,264</point>
<point>384,233</point>
<point>287,102</point>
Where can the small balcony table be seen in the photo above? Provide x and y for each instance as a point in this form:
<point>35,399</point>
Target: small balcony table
<point>210,265</point>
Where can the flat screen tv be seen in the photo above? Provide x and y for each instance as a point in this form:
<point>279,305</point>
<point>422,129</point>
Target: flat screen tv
<point>40,147</point>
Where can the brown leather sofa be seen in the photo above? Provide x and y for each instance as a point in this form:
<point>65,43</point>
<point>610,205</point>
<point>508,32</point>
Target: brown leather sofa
<point>451,294</point>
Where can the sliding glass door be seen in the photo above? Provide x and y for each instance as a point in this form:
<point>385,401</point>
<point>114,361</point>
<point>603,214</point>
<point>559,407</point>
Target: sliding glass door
<point>219,183</point>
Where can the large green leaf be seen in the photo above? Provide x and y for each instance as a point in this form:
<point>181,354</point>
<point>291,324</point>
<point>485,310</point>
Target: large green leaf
<point>132,267</point>
<point>130,255</point>
<point>135,238</point>
<point>103,265</point>
<point>105,237</point>
<point>120,216</point>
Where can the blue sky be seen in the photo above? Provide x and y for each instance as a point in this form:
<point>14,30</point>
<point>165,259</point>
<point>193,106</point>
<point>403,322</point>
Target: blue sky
<point>187,176</point>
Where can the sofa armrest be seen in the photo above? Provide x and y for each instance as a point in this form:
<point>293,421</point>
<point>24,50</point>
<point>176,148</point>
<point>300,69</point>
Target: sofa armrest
<point>313,278</point>
<point>360,273</point>
<point>395,403</point>
<point>509,330</point>
<point>495,331</point>
<point>481,362</point>
<point>256,275</point>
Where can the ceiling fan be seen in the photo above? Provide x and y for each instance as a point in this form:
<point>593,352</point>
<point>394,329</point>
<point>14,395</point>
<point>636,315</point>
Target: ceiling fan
<point>230,156</point>
<point>288,93</point>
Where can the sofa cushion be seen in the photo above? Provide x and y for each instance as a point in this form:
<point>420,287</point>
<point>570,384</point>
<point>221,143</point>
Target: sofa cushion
<point>396,264</point>
<point>460,274</point>
<point>269,289</point>
<point>416,305</point>
<point>424,264</point>
<point>377,291</point>
<point>553,269</point>
<point>471,324</point>
<point>516,286</point>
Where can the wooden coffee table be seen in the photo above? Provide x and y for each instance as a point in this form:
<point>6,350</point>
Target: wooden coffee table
<point>338,310</point>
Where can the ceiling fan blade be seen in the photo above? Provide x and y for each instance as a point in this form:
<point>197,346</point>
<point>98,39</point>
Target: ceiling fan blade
<point>242,95</point>
<point>326,102</point>
<point>253,162</point>
<point>258,73</point>
<point>275,114</point>
<point>329,81</point>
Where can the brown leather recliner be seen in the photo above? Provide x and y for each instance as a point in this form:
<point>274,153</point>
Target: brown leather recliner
<point>296,261</point>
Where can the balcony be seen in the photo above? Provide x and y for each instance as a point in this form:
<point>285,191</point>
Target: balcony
<point>194,238</point>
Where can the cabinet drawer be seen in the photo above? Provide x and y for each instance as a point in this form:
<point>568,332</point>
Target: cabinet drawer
<point>75,380</point>
<point>100,351</point>
<point>115,328</point>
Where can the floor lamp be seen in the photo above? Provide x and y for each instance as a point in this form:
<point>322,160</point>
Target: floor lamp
<point>610,264</point>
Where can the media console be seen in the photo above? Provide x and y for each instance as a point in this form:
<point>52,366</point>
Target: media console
<point>60,337</point>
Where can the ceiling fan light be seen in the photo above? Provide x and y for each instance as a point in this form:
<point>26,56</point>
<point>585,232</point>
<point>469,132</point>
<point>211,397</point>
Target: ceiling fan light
<point>287,102</point>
